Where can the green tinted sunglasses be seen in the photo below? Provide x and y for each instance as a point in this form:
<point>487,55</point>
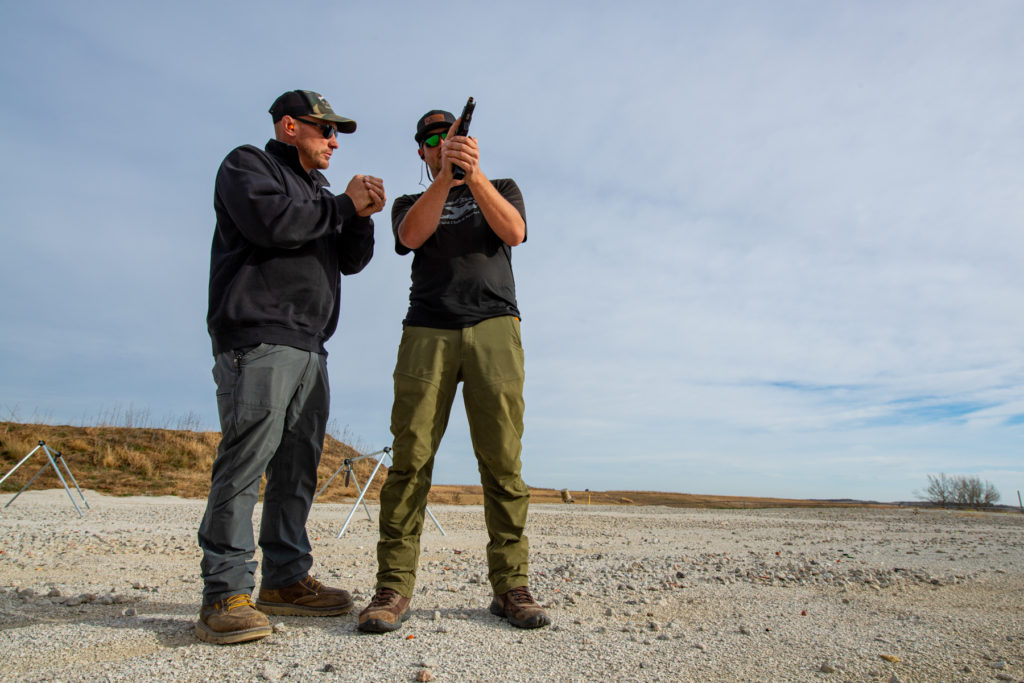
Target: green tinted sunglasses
<point>435,139</point>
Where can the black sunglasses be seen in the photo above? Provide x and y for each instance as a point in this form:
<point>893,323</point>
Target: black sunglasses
<point>435,139</point>
<point>326,129</point>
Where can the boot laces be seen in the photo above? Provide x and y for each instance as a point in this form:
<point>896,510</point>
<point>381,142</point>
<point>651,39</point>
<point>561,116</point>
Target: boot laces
<point>236,601</point>
<point>382,597</point>
<point>313,584</point>
<point>520,595</point>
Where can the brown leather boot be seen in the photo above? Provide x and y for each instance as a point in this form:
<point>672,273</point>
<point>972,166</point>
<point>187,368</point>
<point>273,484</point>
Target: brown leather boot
<point>232,620</point>
<point>519,607</point>
<point>306,598</point>
<point>386,612</point>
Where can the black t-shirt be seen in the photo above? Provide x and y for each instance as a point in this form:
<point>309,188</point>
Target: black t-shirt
<point>462,274</point>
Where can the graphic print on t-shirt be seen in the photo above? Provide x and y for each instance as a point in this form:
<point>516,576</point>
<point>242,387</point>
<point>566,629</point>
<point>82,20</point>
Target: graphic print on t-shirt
<point>458,209</point>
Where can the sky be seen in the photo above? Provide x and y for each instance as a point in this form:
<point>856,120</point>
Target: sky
<point>774,248</point>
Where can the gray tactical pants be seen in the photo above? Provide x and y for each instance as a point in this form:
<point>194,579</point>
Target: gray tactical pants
<point>273,402</point>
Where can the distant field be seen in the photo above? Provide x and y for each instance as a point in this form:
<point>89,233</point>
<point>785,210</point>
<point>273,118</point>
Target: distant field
<point>472,495</point>
<point>142,461</point>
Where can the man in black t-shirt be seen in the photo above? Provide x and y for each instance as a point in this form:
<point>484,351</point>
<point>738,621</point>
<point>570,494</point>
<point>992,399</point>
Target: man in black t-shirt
<point>462,326</point>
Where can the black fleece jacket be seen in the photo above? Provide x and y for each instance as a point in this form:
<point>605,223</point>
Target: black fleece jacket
<point>281,243</point>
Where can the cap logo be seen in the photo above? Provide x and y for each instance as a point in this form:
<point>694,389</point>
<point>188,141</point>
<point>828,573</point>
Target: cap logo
<point>433,118</point>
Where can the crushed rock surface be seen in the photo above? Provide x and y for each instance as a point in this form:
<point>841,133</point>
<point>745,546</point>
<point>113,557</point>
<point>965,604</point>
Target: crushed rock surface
<point>635,593</point>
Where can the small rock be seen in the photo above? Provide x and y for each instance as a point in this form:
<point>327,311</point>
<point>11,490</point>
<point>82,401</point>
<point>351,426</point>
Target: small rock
<point>744,630</point>
<point>129,612</point>
<point>427,663</point>
<point>895,679</point>
<point>437,615</point>
<point>270,673</point>
<point>280,627</point>
<point>827,668</point>
<point>998,665</point>
<point>73,602</point>
<point>424,675</point>
<point>892,659</point>
<point>329,668</point>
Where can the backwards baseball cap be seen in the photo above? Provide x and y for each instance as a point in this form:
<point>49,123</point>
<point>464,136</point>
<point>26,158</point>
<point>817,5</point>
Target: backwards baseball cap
<point>435,119</point>
<point>309,103</point>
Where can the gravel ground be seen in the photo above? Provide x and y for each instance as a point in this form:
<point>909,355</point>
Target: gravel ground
<point>636,593</point>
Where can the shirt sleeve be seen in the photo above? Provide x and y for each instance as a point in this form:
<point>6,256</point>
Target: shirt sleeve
<point>355,245</point>
<point>254,195</point>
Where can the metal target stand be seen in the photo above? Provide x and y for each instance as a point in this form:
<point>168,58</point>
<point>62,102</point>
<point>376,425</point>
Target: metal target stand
<point>346,466</point>
<point>54,458</point>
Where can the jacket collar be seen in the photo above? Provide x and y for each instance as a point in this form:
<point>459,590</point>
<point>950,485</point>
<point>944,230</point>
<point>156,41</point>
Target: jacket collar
<point>289,156</point>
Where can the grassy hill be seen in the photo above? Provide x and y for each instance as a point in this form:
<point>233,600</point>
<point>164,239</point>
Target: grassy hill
<point>125,461</point>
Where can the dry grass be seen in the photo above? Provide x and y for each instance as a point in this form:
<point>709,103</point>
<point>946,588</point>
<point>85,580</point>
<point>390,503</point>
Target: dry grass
<point>144,461</point>
<point>127,461</point>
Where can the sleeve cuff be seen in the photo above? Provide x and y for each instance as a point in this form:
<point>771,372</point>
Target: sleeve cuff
<point>346,208</point>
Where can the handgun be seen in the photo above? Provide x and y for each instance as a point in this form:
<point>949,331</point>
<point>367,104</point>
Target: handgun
<point>467,115</point>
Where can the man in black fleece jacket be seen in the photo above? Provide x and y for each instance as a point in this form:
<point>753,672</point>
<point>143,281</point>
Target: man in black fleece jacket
<point>281,243</point>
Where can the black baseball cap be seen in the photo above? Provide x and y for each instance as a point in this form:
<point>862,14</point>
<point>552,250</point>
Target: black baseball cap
<point>309,103</point>
<point>433,120</point>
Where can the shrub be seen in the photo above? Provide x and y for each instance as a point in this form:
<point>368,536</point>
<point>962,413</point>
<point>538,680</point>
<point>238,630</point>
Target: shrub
<point>960,489</point>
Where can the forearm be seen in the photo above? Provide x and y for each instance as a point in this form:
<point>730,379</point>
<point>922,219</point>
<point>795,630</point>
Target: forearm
<point>288,224</point>
<point>501,216</point>
<point>423,217</point>
<point>262,209</point>
<point>355,245</point>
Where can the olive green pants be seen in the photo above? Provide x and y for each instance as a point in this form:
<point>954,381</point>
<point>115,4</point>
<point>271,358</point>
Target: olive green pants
<point>488,359</point>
